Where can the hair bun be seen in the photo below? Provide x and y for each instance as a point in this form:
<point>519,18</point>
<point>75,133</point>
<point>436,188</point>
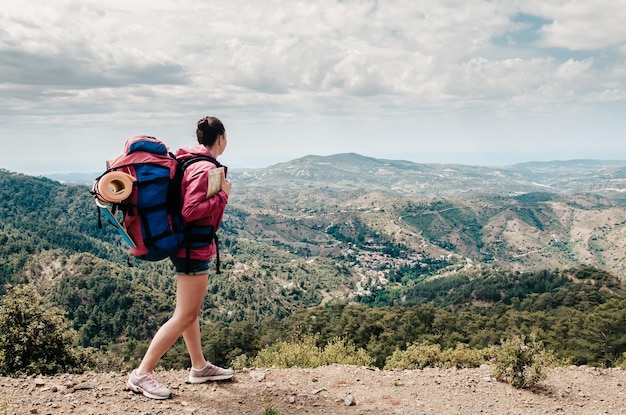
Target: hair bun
<point>203,124</point>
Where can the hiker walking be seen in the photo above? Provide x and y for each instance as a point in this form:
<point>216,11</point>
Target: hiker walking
<point>191,264</point>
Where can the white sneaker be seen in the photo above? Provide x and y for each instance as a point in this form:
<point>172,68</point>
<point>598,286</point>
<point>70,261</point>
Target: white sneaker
<point>148,385</point>
<point>208,373</point>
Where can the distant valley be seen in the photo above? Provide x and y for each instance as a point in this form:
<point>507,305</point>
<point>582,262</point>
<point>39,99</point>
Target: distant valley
<point>526,216</point>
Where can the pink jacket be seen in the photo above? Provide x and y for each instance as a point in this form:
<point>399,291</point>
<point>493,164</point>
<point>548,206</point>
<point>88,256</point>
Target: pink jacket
<point>196,207</point>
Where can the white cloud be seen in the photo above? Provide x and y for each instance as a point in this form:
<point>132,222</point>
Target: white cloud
<point>581,24</point>
<point>574,69</point>
<point>283,69</point>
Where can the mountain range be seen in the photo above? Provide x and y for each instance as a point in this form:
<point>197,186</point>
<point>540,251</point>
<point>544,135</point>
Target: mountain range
<point>354,171</point>
<point>539,214</point>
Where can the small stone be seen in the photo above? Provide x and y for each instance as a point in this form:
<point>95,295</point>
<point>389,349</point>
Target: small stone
<point>83,386</point>
<point>349,400</point>
<point>257,375</point>
<point>39,382</point>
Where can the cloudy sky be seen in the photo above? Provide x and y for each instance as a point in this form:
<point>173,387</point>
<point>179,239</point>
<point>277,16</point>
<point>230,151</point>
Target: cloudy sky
<point>483,82</point>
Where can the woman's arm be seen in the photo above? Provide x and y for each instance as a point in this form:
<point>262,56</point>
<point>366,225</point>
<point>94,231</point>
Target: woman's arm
<point>195,204</point>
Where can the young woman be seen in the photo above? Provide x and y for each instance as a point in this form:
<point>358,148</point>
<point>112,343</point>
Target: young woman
<point>192,274</point>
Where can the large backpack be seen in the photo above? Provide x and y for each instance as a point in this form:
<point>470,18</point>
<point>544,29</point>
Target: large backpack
<point>151,203</point>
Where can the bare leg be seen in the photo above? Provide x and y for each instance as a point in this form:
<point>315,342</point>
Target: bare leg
<point>194,345</point>
<point>190,291</point>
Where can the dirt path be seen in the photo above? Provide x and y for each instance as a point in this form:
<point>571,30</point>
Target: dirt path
<point>333,389</point>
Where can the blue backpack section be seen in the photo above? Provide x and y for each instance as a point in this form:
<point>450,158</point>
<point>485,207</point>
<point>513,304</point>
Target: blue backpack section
<point>161,230</point>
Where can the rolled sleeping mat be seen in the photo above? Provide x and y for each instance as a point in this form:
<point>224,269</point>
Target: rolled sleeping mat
<point>114,187</point>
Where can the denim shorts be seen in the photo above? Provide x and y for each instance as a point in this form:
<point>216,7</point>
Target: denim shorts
<point>196,267</point>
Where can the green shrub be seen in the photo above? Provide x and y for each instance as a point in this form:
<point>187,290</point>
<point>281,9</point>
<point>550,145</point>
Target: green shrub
<point>270,411</point>
<point>240,362</point>
<point>621,361</point>
<point>425,354</point>
<point>521,362</point>
<point>305,353</point>
<point>33,339</point>
<point>102,360</point>
<point>416,356</point>
<point>340,352</point>
<point>284,354</point>
<point>463,357</point>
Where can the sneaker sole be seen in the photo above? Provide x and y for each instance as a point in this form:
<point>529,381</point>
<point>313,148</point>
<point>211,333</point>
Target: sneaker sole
<point>147,394</point>
<point>209,378</point>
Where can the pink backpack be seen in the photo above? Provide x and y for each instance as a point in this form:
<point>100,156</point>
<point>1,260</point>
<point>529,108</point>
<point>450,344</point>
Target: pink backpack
<point>152,217</point>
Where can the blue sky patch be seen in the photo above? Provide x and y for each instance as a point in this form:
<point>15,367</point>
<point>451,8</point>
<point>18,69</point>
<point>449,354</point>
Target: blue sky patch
<point>524,31</point>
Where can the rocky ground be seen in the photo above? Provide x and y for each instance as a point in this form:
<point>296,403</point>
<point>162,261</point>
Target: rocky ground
<point>326,390</point>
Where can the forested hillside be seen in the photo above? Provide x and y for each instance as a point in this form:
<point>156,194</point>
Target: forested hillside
<point>377,267</point>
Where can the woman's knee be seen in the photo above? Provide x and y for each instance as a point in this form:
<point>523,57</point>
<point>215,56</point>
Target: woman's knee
<point>185,318</point>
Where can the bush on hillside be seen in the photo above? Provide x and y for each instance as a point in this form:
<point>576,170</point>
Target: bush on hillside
<point>306,353</point>
<point>416,356</point>
<point>521,362</point>
<point>33,339</point>
<point>425,354</point>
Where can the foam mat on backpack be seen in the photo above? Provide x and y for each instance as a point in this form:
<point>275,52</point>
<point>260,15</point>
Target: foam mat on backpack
<point>114,187</point>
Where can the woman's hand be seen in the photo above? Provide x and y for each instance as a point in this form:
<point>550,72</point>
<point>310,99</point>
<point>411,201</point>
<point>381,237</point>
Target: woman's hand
<point>226,184</point>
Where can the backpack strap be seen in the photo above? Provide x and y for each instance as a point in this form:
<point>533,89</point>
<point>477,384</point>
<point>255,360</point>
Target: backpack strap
<point>192,237</point>
<point>175,187</point>
<point>188,162</point>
